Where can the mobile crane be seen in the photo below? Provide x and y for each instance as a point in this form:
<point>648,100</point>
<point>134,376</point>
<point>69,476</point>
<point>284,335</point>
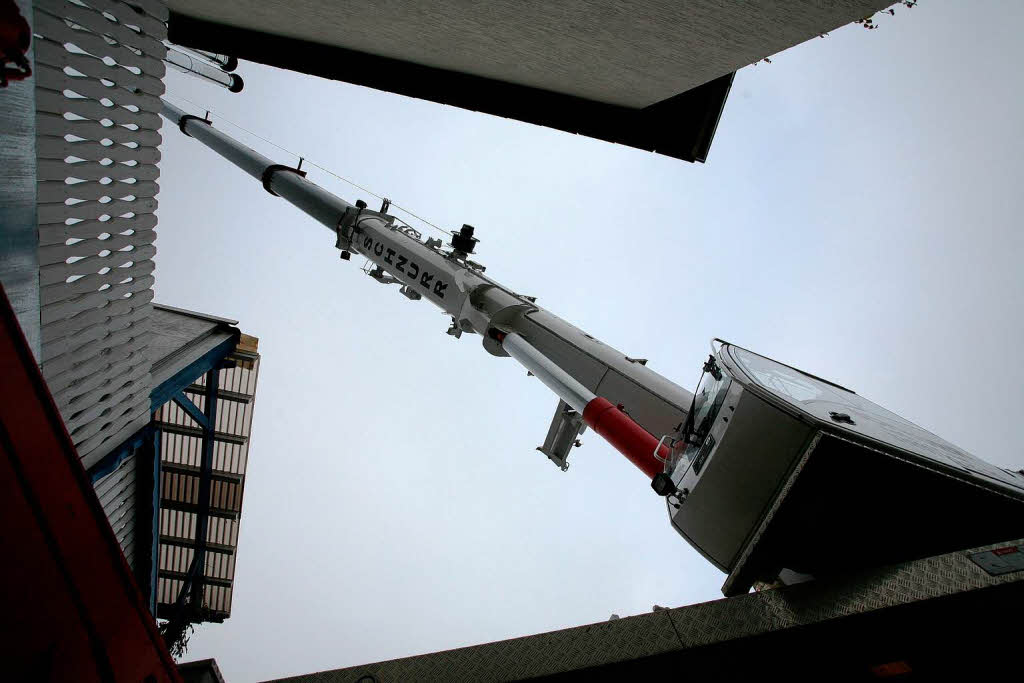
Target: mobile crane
<point>771,473</point>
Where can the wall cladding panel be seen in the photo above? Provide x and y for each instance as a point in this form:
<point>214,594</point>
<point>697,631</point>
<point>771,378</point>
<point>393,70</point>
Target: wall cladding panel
<point>98,86</point>
<point>118,496</point>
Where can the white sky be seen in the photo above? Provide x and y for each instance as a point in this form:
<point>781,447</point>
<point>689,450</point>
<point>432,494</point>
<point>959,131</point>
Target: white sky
<point>858,218</point>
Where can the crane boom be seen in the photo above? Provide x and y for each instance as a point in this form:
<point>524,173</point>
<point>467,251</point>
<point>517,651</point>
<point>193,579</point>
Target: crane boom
<point>644,404</point>
<point>760,471</point>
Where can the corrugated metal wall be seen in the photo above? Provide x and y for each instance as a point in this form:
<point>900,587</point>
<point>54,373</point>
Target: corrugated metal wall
<point>180,525</point>
<point>181,456</point>
<point>98,82</point>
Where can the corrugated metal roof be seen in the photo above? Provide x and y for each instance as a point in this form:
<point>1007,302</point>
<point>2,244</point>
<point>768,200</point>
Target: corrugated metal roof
<point>181,460</point>
<point>179,338</point>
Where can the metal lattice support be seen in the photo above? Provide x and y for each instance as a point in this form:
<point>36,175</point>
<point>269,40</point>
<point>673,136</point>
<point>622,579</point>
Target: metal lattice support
<point>98,71</point>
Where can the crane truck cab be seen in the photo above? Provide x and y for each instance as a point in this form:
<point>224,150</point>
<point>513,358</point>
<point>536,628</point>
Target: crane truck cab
<point>777,469</point>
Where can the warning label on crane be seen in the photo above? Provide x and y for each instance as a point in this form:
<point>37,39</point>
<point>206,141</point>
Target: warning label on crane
<point>1000,560</point>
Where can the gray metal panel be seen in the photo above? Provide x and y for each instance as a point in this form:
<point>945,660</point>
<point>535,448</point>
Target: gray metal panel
<point>97,138</point>
<point>687,628</point>
<point>179,337</point>
<point>19,264</point>
<point>737,581</point>
<point>655,402</point>
<point>628,53</point>
<point>731,494</point>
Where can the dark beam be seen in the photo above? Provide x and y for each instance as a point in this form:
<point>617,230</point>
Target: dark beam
<point>206,468</point>
<point>147,515</point>
<point>180,576</point>
<point>223,394</point>
<point>190,507</point>
<point>155,547</point>
<point>195,431</point>
<point>189,543</point>
<point>166,611</point>
<point>195,579</point>
<point>112,460</point>
<point>191,408</point>
<point>216,475</point>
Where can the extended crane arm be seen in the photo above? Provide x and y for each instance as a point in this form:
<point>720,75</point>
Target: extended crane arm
<point>617,396</point>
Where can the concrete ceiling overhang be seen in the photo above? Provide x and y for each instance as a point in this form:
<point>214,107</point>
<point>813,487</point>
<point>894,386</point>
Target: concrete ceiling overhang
<point>652,74</point>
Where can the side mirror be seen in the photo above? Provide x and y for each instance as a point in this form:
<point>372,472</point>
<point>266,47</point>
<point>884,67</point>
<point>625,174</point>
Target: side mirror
<point>662,484</point>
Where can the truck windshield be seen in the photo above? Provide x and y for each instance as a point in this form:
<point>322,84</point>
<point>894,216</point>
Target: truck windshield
<point>707,401</point>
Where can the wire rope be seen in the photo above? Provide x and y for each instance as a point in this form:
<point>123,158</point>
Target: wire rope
<point>221,117</point>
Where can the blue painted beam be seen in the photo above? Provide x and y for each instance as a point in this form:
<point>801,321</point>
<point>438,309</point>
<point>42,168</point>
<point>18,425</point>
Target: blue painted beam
<point>145,445</point>
<point>173,389</point>
<point>192,409</point>
<point>205,475</point>
<point>194,582</point>
<point>112,460</point>
<point>149,436</point>
<point>155,555</point>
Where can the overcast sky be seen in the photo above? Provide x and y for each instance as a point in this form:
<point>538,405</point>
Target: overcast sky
<point>858,217</point>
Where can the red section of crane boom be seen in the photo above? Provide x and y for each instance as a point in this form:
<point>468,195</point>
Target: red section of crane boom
<point>628,438</point>
<point>608,420</point>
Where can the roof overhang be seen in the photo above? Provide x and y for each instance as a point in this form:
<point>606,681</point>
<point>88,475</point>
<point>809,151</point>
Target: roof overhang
<point>184,345</point>
<point>650,75</point>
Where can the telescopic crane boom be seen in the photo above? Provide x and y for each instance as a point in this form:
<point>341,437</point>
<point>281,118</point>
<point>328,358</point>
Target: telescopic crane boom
<point>762,470</point>
<point>617,396</point>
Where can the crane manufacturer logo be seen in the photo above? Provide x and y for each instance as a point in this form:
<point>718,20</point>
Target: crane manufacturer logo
<point>405,266</point>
